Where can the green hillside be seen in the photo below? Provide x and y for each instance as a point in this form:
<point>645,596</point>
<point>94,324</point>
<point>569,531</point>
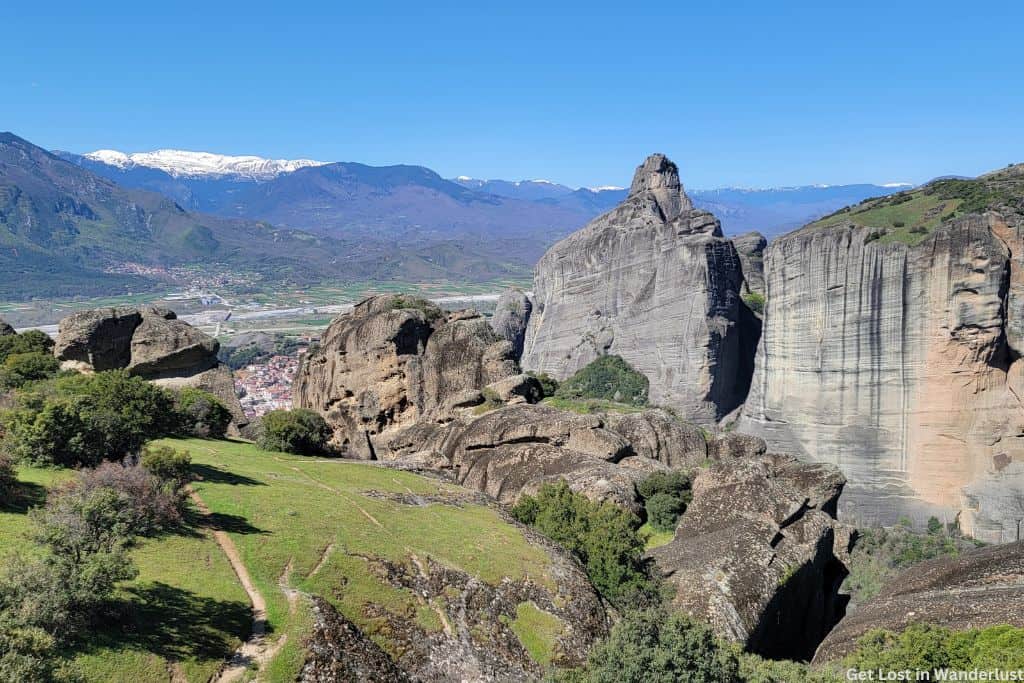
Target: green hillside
<point>909,217</point>
<point>301,526</point>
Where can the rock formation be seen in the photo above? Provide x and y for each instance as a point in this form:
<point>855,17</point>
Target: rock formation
<point>754,552</point>
<point>984,587</point>
<point>150,343</point>
<point>5,329</point>
<point>393,361</point>
<point>750,247</point>
<point>517,449</point>
<point>655,282</point>
<point>900,365</point>
<point>511,317</point>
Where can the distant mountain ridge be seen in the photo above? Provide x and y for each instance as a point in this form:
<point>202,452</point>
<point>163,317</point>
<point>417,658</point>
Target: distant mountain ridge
<point>413,202</point>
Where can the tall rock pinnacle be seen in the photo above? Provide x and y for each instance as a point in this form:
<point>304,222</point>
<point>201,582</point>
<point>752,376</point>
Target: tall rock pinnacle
<point>653,281</point>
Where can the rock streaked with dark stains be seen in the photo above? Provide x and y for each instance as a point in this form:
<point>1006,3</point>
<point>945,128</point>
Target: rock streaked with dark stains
<point>394,361</point>
<point>511,317</point>
<point>754,553</point>
<point>899,364</point>
<point>984,587</point>
<point>656,435</point>
<point>337,650</point>
<point>151,343</point>
<point>653,281</point>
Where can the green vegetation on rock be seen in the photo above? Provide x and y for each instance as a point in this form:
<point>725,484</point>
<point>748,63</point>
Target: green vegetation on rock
<point>665,496</point>
<point>603,536</point>
<point>608,378</point>
<point>909,217</point>
<point>755,301</point>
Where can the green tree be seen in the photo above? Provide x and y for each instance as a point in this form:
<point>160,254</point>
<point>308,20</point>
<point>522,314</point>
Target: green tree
<point>32,341</point>
<point>167,464</point>
<point>652,646</point>
<point>602,535</point>
<point>665,496</point>
<point>299,431</point>
<point>202,413</point>
<point>609,378</point>
<point>21,368</point>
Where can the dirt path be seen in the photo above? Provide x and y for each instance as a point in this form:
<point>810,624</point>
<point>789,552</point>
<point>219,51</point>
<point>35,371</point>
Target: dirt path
<point>256,649</point>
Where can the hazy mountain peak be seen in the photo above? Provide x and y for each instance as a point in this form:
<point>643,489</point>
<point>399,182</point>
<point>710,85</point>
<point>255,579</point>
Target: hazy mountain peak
<point>183,163</point>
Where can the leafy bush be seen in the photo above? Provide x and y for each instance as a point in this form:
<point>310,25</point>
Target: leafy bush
<point>201,413</point>
<point>880,554</point>
<point>167,464</point>
<point>548,384</point>
<point>21,368</point>
<point>923,647</point>
<point>755,301</point>
<point>32,341</point>
<point>81,420</point>
<point>608,377</point>
<point>602,535</point>
<point>919,230</point>
<point>665,495</point>
<point>898,224</point>
<point>875,235</point>
<point>299,431</point>
<point>652,646</point>
<point>8,478</point>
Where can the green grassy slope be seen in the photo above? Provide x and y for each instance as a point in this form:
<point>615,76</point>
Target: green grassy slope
<point>184,613</point>
<point>298,523</point>
<point>909,217</point>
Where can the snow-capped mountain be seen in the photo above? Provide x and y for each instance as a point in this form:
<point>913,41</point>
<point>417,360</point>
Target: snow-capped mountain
<point>184,164</point>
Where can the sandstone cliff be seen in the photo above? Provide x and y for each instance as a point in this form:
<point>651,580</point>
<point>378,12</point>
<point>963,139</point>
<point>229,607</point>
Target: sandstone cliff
<point>750,247</point>
<point>900,365</point>
<point>151,343</point>
<point>393,361</point>
<point>655,282</point>
<point>511,316</point>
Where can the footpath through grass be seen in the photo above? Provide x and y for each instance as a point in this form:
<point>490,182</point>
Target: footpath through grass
<point>316,524</point>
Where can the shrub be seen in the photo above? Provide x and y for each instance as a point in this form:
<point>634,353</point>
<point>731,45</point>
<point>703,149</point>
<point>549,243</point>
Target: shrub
<point>923,647</point>
<point>8,478</point>
<point>875,235</point>
<point>919,230</point>
<point>81,420</point>
<point>32,341</point>
<point>548,384</point>
<point>602,535</point>
<point>21,368</point>
<point>608,377</point>
<point>201,413</point>
<point>299,431</point>
<point>665,495</point>
<point>652,646</point>
<point>430,310</point>
<point>898,224</point>
<point>167,465</point>
<point>754,301</point>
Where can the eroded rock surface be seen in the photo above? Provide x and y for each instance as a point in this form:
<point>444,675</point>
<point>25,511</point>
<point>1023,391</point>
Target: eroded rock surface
<point>750,247</point>
<point>511,317</point>
<point>754,552</point>
<point>393,361</point>
<point>653,281</point>
<point>900,365</point>
<point>984,587</point>
<point>151,343</point>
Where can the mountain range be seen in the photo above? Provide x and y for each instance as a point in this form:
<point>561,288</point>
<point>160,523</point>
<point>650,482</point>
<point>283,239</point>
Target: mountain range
<point>110,222</point>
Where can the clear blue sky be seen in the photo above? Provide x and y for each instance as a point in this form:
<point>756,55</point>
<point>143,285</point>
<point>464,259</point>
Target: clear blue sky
<point>737,93</point>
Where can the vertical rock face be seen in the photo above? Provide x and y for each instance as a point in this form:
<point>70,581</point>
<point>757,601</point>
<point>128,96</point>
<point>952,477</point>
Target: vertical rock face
<point>511,316</point>
<point>899,365</point>
<point>750,246</point>
<point>655,282</point>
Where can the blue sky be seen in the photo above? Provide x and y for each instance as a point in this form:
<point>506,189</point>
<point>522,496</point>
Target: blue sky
<point>752,94</point>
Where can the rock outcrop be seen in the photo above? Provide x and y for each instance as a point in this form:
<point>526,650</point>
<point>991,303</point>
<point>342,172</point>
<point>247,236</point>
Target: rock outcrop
<point>337,650</point>
<point>984,587</point>
<point>150,343</point>
<point>754,552</point>
<point>653,281</point>
<point>750,247</point>
<point>511,317</point>
<point>900,365</point>
<point>5,329</point>
<point>393,361</point>
<point>515,450</point>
